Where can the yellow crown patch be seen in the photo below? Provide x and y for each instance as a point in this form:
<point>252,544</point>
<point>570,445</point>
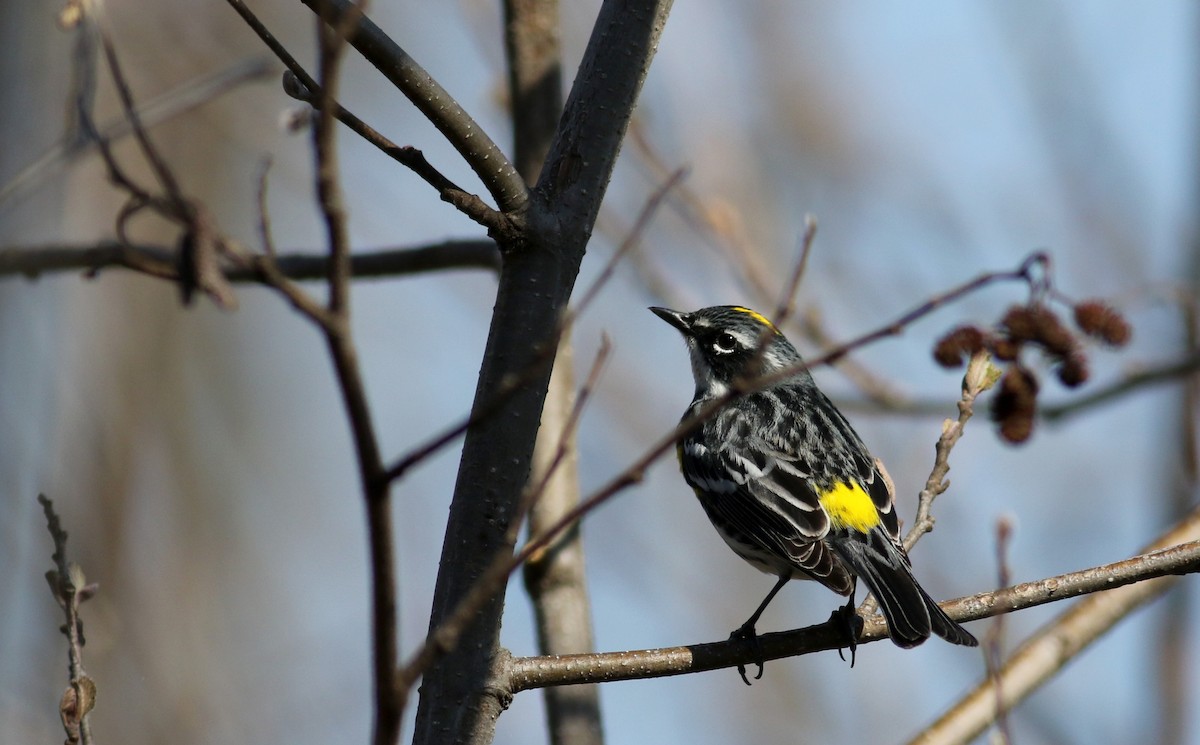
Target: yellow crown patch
<point>756,316</point>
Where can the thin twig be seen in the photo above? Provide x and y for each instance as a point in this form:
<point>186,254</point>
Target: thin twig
<point>569,426</point>
<point>1136,380</point>
<point>649,209</point>
<point>980,376</point>
<point>484,157</point>
<point>264,214</point>
<point>994,642</point>
<point>161,171</point>
<point>162,108</point>
<point>787,299</point>
<point>71,589</point>
<point>1155,375</point>
<point>267,264</point>
<point>881,391</point>
<point>299,84</point>
<point>200,246</point>
<point>388,701</point>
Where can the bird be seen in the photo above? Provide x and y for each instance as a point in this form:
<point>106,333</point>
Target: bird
<point>787,482</point>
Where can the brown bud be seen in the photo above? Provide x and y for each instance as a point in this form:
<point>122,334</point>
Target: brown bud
<point>1020,322</point>
<point>1017,428</point>
<point>1102,322</point>
<point>1039,324</point>
<point>963,341</point>
<point>1015,403</point>
<point>1073,372</point>
<point>1005,349</point>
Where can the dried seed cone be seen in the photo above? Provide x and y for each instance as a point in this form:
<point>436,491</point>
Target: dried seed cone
<point>1102,322</point>
<point>1015,404</point>
<point>963,341</point>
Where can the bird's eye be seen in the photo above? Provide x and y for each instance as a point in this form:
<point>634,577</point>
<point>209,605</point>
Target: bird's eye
<point>725,343</point>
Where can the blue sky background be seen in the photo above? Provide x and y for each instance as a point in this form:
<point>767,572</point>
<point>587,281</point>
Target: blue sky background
<point>202,463</point>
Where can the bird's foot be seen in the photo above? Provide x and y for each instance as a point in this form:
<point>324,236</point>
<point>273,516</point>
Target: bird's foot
<point>851,624</point>
<point>746,634</point>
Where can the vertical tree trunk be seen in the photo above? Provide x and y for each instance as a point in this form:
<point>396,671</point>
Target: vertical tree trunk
<point>540,264</point>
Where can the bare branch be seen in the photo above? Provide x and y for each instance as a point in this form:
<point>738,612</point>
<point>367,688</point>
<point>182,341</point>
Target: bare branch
<point>161,171</point>
<point>200,245</point>
<point>332,34</point>
<point>879,390</point>
<point>468,138</point>
<point>160,261</point>
<point>1139,572</point>
<point>787,298</point>
<point>445,636</point>
<point>71,589</point>
<point>980,376</point>
<point>994,638</point>
<point>1150,376</point>
<point>543,255</point>
<point>1147,376</point>
<point>301,86</point>
<point>175,102</point>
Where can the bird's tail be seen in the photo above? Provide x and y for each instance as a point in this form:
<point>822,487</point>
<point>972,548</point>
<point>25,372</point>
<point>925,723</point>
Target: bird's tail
<point>911,614</point>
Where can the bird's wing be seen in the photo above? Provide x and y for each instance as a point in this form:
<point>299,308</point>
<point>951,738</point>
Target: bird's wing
<point>768,505</point>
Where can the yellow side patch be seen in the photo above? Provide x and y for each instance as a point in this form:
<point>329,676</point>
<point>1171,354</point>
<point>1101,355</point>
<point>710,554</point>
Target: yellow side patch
<point>848,506</point>
<point>756,316</point>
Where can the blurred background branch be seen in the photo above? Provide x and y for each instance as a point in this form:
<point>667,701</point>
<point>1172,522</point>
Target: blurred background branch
<point>35,261</point>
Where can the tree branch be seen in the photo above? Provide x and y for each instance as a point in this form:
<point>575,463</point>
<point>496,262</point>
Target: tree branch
<point>71,589</point>
<point>1150,376</point>
<point>388,702</point>
<point>298,84</point>
<point>980,376</point>
<point>535,672</point>
<point>460,130</point>
<point>1145,377</point>
<point>160,261</point>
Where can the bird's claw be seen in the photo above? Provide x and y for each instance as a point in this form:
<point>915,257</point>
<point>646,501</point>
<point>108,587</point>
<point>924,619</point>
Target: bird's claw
<point>747,634</point>
<point>851,623</point>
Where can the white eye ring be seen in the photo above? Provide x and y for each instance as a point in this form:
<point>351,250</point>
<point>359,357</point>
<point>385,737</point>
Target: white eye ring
<point>725,343</point>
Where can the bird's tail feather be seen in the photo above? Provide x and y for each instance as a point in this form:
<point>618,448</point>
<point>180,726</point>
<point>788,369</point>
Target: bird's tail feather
<point>910,612</point>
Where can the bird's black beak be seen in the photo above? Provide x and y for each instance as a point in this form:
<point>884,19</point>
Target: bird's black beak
<point>681,321</point>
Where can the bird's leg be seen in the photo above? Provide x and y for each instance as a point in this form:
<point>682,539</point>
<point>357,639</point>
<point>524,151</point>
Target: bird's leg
<point>747,633</point>
<point>847,617</point>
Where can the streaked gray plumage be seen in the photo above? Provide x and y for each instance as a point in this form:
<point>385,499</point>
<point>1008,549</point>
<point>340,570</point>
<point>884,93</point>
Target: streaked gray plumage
<point>786,480</point>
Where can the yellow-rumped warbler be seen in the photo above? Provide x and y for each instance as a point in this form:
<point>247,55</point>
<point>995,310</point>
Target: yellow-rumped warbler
<point>788,483</point>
